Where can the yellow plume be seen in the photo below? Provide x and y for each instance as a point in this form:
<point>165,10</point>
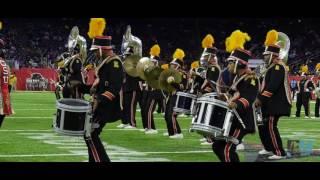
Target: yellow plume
<point>318,66</point>
<point>178,54</point>
<point>60,64</point>
<point>304,69</point>
<point>1,25</point>
<point>272,38</point>
<point>155,50</point>
<point>208,41</point>
<point>195,64</point>
<point>228,48</point>
<point>96,27</point>
<point>89,67</point>
<point>165,66</point>
<point>236,40</point>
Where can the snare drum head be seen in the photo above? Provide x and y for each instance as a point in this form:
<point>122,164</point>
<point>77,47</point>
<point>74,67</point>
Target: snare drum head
<point>73,105</point>
<point>73,102</point>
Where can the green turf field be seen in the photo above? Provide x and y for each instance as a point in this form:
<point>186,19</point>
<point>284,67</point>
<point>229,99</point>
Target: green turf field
<point>28,137</point>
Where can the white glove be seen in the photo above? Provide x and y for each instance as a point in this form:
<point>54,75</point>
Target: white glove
<point>170,79</point>
<point>203,74</point>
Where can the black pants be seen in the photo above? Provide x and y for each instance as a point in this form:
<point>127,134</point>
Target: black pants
<point>9,87</point>
<point>96,150</point>
<point>2,119</point>
<point>317,106</point>
<point>293,92</point>
<point>226,151</point>
<point>152,98</point>
<point>171,117</point>
<point>302,99</point>
<point>142,100</point>
<point>270,136</point>
<point>161,105</point>
<point>130,100</point>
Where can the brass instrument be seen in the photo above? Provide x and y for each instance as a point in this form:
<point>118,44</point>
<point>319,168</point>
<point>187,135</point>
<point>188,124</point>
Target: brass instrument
<point>168,77</point>
<point>130,65</point>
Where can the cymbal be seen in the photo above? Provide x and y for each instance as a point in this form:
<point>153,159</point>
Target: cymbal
<point>142,65</point>
<point>130,64</point>
<point>163,79</point>
<point>152,76</point>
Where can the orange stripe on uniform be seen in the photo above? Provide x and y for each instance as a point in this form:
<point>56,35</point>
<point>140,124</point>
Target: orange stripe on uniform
<point>108,95</point>
<point>267,94</point>
<point>244,102</point>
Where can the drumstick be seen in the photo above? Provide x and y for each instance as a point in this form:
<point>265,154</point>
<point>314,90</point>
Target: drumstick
<point>223,86</point>
<point>239,118</point>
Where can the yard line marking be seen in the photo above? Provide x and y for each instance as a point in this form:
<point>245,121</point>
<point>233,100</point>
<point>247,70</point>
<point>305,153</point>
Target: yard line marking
<point>162,118</point>
<point>73,147</point>
<point>35,117</point>
<point>84,153</point>
<point>184,129</point>
<point>25,130</point>
<point>177,152</point>
<point>34,109</point>
<point>77,146</point>
<point>40,155</point>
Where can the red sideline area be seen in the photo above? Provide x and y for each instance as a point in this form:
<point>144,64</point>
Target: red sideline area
<point>50,75</point>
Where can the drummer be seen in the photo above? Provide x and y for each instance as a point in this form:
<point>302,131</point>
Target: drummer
<point>174,130</point>
<point>210,61</point>
<point>244,91</point>
<point>212,73</point>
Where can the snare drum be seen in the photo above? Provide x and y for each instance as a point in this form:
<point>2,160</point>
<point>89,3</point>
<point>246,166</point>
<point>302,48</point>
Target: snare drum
<point>72,117</point>
<point>184,102</point>
<point>213,119</point>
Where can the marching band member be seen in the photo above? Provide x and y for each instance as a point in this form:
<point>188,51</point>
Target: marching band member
<point>174,130</point>
<point>105,89</point>
<point>5,103</point>
<point>305,87</point>
<point>317,91</point>
<point>274,98</point>
<point>131,45</point>
<point>209,57</point>
<point>71,77</point>
<point>212,72</point>
<point>153,95</point>
<point>244,90</point>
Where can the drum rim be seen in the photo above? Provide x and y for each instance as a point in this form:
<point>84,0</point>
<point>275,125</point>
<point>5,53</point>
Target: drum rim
<point>193,96</point>
<point>209,128</point>
<point>69,108</point>
<point>76,100</point>
<point>212,101</point>
<point>209,94</point>
<point>218,137</point>
<point>181,110</point>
